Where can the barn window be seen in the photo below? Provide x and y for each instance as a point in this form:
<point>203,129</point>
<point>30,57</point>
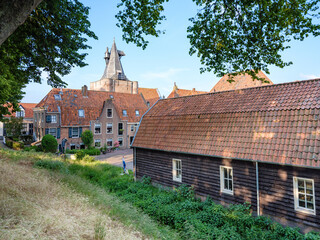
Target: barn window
<point>226,179</point>
<point>304,199</point>
<point>176,170</point>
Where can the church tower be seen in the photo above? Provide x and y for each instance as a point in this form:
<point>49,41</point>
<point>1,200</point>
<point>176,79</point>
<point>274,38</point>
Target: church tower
<point>113,78</point>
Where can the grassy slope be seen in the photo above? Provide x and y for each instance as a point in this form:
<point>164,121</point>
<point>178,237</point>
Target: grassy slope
<point>48,205</point>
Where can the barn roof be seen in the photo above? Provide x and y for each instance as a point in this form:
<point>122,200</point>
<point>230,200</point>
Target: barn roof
<point>276,123</point>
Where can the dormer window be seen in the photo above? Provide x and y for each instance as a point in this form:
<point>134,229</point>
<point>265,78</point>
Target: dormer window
<point>81,112</point>
<point>124,113</point>
<point>57,97</point>
<point>137,113</point>
<point>20,113</point>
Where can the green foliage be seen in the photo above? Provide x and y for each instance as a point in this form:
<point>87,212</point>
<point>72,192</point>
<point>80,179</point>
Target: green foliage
<point>13,126</point>
<point>49,143</point>
<point>88,158</point>
<point>51,165</point>
<point>33,149</point>
<point>16,145</point>
<point>80,154</point>
<point>89,151</point>
<point>51,40</point>
<point>87,138</point>
<point>230,37</point>
<point>139,19</point>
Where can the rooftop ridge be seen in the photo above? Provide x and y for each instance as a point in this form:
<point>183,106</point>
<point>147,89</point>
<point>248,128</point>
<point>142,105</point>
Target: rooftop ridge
<point>246,89</point>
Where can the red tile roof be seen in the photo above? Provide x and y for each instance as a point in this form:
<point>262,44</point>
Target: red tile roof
<point>184,92</point>
<point>240,82</point>
<point>28,108</point>
<point>73,100</point>
<point>151,95</point>
<point>277,123</point>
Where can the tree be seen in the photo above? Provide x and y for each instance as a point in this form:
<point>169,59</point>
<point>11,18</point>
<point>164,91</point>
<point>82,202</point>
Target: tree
<point>13,126</point>
<point>229,36</point>
<point>49,41</point>
<point>87,138</point>
<point>49,143</point>
<point>12,14</point>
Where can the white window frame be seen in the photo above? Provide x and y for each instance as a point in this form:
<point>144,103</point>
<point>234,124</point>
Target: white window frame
<point>109,140</point>
<point>75,136</point>
<point>125,113</point>
<point>175,177</point>
<point>132,128</point>
<point>296,196</point>
<point>222,178</point>
<point>137,113</point>
<point>120,145</point>
<point>51,129</point>
<point>95,129</point>
<point>111,112</point>
<point>81,112</point>
<point>107,128</point>
<point>57,97</point>
<point>53,118</point>
<point>95,141</point>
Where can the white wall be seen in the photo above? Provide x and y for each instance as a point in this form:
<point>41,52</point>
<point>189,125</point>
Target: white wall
<point>1,129</point>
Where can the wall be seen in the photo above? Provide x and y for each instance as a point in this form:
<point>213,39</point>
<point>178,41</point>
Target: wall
<point>275,183</point>
<point>111,85</point>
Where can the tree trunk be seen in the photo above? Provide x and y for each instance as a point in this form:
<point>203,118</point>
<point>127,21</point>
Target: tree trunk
<point>13,13</point>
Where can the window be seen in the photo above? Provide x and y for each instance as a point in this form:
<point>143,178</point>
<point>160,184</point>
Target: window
<point>120,140</point>
<point>109,113</point>
<point>20,113</point>
<point>57,97</point>
<point>109,127</point>
<point>97,143</point>
<point>132,128</point>
<point>82,146</point>
<point>97,128</point>
<point>124,113</point>
<point>226,179</point>
<point>109,142</point>
<point>120,129</point>
<point>137,113</point>
<point>53,132</point>
<point>176,170</point>
<point>54,118</point>
<point>72,146</point>
<point>75,132</point>
<point>304,199</point>
<point>81,112</point>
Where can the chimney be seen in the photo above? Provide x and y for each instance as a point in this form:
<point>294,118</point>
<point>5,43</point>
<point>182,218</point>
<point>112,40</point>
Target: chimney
<point>84,91</point>
<point>193,89</point>
<point>175,87</point>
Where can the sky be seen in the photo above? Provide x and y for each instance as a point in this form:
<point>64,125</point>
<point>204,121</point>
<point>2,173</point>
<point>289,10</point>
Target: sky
<point>166,59</point>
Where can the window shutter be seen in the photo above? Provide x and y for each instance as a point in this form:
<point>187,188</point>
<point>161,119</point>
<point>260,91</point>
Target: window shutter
<point>58,133</point>
<point>70,132</point>
<point>80,131</point>
<point>47,131</point>
<point>48,118</point>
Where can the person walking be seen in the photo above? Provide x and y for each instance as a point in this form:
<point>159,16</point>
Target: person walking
<point>124,165</point>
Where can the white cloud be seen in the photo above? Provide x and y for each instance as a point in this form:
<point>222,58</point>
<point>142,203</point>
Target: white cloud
<point>309,76</point>
<point>165,75</point>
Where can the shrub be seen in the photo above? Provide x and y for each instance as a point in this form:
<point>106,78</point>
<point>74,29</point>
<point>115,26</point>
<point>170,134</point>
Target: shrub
<point>80,154</point>
<point>52,165</point>
<point>17,145</point>
<point>73,151</point>
<point>92,151</point>
<point>87,138</point>
<point>88,158</point>
<point>49,143</point>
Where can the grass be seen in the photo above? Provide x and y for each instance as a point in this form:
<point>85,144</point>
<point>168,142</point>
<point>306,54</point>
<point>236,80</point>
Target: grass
<point>41,204</point>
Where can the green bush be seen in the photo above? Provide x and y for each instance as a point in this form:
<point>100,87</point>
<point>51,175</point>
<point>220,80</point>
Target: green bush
<point>92,151</point>
<point>80,154</point>
<point>73,151</point>
<point>87,138</point>
<point>49,143</point>
<point>88,158</point>
<point>33,149</point>
<point>16,145</point>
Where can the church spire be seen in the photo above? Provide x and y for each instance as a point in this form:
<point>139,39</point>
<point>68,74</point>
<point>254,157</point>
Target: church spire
<point>114,68</point>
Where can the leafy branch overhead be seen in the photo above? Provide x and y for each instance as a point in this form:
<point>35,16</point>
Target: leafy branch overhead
<point>49,41</point>
<point>229,36</point>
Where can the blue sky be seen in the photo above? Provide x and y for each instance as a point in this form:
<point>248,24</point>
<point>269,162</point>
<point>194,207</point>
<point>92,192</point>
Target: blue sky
<point>166,59</point>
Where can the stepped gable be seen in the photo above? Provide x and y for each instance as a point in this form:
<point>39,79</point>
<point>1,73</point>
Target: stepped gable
<point>276,123</point>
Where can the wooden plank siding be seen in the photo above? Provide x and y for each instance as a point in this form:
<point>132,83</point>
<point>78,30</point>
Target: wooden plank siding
<point>203,172</point>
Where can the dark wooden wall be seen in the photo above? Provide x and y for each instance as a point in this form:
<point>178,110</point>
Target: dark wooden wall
<point>276,182</point>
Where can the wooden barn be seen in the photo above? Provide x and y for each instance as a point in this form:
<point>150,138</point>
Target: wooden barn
<point>258,145</point>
